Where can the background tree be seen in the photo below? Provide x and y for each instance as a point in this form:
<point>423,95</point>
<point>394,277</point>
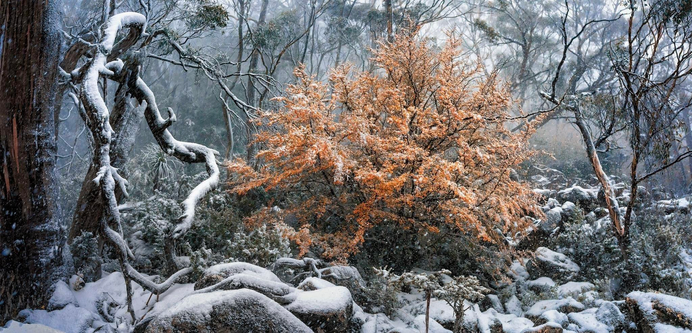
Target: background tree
<point>30,237</point>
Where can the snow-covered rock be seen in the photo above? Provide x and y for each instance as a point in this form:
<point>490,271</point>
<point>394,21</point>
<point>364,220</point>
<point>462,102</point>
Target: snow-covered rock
<point>648,309</point>
<point>586,321</point>
<point>313,283</point>
<point>62,296</point>
<point>549,327</point>
<point>17,327</point>
<point>329,308</point>
<point>492,301</point>
<point>567,305</point>
<point>552,264</point>
<point>542,284</point>
<point>581,196</point>
<point>226,311</point>
<point>553,218</point>
<point>574,289</point>
<point>553,316</point>
<point>218,273</point>
<point>609,314</point>
<point>517,271</point>
<point>513,306</point>
<point>433,325</point>
<point>70,319</point>
<point>342,274</point>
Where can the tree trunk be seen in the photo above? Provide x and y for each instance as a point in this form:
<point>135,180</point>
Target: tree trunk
<point>390,19</point>
<point>254,62</point>
<point>125,119</point>
<point>30,239</point>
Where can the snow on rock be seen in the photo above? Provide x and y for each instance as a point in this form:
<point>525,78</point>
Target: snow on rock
<point>586,321</point>
<point>544,192</point>
<point>568,208</point>
<point>566,305</point>
<point>542,284</point>
<point>433,326</point>
<point>218,273</point>
<point>377,323</point>
<point>492,301</point>
<point>609,314</point>
<point>313,283</point>
<point>673,205</point>
<point>62,296</point>
<point>574,289</point>
<point>549,327</point>
<point>663,328</point>
<point>553,217</point>
<point>517,271</point>
<point>335,274</point>
<point>17,327</point>
<point>328,308</point>
<point>228,269</point>
<point>510,323</point>
<point>227,310</point>
<point>579,195</point>
<point>440,310</point>
<point>513,306</point>
<point>68,319</point>
<point>553,316</point>
<point>552,264</point>
<point>268,288</point>
<point>648,309</point>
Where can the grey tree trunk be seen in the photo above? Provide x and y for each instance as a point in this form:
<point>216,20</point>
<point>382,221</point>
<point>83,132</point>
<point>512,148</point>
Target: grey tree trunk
<point>30,238</point>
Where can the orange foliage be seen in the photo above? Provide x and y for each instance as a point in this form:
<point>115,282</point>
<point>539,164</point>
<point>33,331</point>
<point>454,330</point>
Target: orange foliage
<point>420,143</point>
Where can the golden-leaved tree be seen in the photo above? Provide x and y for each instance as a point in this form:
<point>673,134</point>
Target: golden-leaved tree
<point>419,144</point>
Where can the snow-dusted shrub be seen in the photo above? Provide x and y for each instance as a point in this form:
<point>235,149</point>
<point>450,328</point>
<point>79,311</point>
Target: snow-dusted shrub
<point>147,226</point>
<point>380,295</point>
<point>455,292</point>
<point>653,262</point>
<point>261,246</point>
<point>437,284</point>
<point>86,256</point>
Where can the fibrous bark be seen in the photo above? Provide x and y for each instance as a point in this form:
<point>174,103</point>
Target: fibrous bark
<point>30,236</point>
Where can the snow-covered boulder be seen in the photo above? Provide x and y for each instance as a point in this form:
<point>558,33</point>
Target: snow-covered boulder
<point>433,325</point>
<point>488,322</point>
<point>226,311</point>
<point>313,283</point>
<point>17,327</point>
<point>586,321</point>
<point>552,264</point>
<point>328,309</point>
<point>583,197</point>
<point>342,274</point>
<point>648,309</point>
<point>513,306</point>
<point>584,292</point>
<point>540,285</point>
<point>218,273</point>
<point>574,289</point>
<point>553,316</point>
<point>609,314</point>
<point>62,296</point>
<point>553,219</point>
<point>567,305</point>
<point>68,319</point>
<point>549,327</point>
<point>568,208</point>
<point>492,302</point>
<point>517,271</point>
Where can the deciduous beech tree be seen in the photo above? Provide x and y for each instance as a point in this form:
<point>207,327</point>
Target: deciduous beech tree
<point>420,144</point>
